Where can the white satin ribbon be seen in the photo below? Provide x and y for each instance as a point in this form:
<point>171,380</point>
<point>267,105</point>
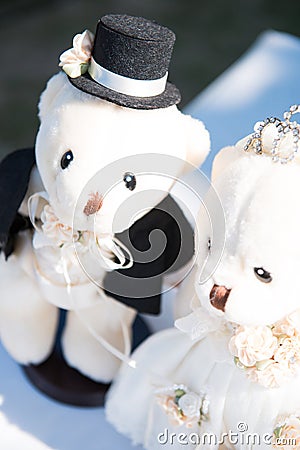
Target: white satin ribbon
<point>125,85</point>
<point>33,205</point>
<point>124,357</point>
<point>112,245</point>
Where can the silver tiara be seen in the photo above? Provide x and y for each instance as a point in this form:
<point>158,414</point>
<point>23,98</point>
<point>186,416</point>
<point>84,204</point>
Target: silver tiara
<point>284,128</point>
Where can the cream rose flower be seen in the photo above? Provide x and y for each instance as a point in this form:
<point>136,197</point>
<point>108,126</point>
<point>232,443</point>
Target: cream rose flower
<point>288,351</point>
<point>75,61</point>
<point>171,409</point>
<point>294,320</point>
<point>284,328</point>
<point>56,231</point>
<point>287,434</point>
<point>289,326</point>
<point>273,376</point>
<point>253,344</point>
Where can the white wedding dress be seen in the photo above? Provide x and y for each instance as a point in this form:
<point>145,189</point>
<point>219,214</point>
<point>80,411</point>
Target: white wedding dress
<point>245,411</point>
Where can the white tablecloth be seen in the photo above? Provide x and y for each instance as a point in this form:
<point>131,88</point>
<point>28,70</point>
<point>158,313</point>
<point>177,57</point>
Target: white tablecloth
<point>264,82</point>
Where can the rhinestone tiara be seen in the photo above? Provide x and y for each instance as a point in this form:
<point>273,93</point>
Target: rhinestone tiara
<point>285,137</point>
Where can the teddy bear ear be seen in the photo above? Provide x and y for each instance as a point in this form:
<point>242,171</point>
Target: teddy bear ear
<point>197,139</point>
<point>47,99</point>
<point>223,159</point>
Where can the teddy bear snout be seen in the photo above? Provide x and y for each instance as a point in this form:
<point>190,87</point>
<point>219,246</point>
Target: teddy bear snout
<point>93,204</point>
<point>218,296</point>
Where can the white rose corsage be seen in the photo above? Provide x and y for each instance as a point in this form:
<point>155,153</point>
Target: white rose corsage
<point>270,355</point>
<point>76,60</point>
<point>286,433</point>
<point>182,405</point>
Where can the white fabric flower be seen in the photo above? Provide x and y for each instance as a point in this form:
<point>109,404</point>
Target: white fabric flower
<point>253,344</point>
<point>75,61</point>
<point>190,404</point>
<point>56,231</point>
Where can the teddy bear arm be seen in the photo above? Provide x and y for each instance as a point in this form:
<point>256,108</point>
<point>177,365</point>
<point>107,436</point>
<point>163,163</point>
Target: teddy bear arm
<point>27,321</point>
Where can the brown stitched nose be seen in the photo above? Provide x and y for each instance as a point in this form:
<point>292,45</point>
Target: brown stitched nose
<point>93,204</point>
<point>218,296</point>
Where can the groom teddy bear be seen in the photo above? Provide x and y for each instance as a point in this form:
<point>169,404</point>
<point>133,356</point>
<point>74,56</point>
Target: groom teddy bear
<point>109,126</point>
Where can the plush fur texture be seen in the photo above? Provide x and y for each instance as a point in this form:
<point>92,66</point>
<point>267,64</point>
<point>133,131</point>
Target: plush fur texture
<point>260,201</point>
<point>33,282</point>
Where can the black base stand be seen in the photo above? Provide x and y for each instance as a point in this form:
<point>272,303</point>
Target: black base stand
<point>66,385</point>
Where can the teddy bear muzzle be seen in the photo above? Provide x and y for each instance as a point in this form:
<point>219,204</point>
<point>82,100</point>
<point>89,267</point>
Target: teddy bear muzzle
<point>218,296</point>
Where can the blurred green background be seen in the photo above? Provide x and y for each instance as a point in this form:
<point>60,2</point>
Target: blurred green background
<point>211,35</point>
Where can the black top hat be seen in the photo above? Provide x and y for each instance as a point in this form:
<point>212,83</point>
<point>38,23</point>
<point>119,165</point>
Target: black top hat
<point>129,64</point>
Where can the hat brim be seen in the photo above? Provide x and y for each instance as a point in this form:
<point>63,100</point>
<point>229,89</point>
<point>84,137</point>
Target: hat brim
<point>170,96</point>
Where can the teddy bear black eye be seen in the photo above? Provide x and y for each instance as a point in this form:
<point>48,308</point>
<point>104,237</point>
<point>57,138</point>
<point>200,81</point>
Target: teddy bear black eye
<point>66,159</point>
<point>129,180</point>
<point>262,274</point>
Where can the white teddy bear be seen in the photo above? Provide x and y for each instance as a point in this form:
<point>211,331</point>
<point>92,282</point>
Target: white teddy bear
<point>228,375</point>
<point>103,136</point>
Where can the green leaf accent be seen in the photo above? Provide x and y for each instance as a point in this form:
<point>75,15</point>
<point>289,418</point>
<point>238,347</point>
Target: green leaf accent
<point>262,365</point>
<point>179,392</point>
<point>277,432</point>
<point>80,236</point>
<point>238,363</point>
<point>84,67</point>
<point>204,416</point>
<point>180,412</point>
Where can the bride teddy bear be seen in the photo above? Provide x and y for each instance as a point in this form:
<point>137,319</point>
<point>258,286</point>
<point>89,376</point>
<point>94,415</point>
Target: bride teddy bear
<point>109,122</point>
<point>228,374</point>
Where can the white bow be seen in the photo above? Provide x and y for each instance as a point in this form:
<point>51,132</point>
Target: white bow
<point>199,323</point>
